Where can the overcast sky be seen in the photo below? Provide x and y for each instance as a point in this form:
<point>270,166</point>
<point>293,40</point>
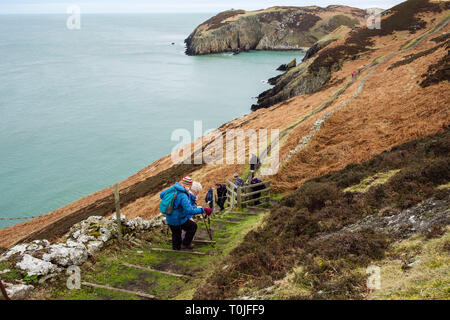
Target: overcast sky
<point>144,6</point>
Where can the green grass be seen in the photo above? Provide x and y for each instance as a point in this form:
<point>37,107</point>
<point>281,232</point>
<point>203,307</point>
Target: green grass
<point>377,179</point>
<point>108,270</point>
<point>444,186</point>
<point>13,274</point>
<point>276,197</point>
<point>428,278</point>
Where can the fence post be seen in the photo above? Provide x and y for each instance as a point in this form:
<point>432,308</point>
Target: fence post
<point>117,203</point>
<point>239,199</point>
<point>3,290</point>
<point>232,201</point>
<point>214,201</point>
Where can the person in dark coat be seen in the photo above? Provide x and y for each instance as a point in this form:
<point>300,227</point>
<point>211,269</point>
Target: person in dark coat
<point>221,195</point>
<point>260,187</point>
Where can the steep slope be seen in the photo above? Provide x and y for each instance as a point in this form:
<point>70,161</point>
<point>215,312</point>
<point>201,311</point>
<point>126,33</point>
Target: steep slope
<point>318,242</point>
<point>323,59</point>
<point>346,121</point>
<point>276,28</point>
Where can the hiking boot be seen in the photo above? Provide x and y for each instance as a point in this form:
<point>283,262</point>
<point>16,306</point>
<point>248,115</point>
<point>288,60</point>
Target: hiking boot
<point>189,247</point>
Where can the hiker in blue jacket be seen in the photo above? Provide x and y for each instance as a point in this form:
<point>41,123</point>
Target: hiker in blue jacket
<point>179,219</point>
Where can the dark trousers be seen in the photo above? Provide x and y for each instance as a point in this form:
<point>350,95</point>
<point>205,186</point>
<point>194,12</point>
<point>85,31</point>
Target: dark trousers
<point>190,227</point>
<point>221,202</point>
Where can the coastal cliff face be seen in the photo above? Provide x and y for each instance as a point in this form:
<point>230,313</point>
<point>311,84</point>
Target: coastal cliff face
<point>303,78</point>
<point>276,28</point>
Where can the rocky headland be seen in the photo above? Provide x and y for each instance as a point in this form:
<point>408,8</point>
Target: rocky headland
<point>276,28</point>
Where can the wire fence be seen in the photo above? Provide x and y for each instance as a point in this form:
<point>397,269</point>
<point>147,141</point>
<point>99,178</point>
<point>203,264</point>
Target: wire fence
<point>18,218</point>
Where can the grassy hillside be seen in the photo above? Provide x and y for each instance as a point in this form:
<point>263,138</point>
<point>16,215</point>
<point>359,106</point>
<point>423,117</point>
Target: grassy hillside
<point>306,249</point>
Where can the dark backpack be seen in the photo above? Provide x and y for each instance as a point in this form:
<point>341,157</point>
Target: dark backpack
<point>209,195</point>
<point>222,191</point>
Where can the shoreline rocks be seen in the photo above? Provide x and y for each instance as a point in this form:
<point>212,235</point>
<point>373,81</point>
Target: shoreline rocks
<point>302,79</point>
<point>290,65</point>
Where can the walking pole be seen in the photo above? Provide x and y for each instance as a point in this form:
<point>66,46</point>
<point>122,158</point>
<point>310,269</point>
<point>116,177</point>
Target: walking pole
<point>207,230</point>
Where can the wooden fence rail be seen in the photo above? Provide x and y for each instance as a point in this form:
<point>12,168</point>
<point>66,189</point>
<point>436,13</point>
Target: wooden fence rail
<point>241,196</point>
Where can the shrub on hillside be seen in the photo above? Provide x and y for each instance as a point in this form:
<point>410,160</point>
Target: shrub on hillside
<point>313,195</point>
<point>360,247</point>
<point>307,228</point>
<point>437,172</point>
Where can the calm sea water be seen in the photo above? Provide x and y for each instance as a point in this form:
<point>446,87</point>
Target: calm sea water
<point>82,109</point>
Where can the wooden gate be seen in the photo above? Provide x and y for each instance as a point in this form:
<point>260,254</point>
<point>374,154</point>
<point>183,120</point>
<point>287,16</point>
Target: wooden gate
<point>241,197</point>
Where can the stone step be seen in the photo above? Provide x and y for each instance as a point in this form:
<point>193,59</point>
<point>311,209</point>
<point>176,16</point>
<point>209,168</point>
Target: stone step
<point>203,241</point>
<point>137,293</point>
<point>152,270</point>
<point>177,251</point>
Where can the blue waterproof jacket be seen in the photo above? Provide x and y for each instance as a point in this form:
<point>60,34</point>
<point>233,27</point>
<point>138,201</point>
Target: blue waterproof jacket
<point>182,207</point>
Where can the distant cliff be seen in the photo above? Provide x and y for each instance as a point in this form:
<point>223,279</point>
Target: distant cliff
<point>276,28</point>
<point>303,78</point>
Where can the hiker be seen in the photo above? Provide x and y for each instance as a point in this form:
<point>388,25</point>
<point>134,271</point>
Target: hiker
<point>176,198</point>
<point>209,199</point>
<point>353,74</point>
<point>260,187</point>
<point>194,191</point>
<point>193,197</point>
<point>238,181</point>
<point>255,163</point>
<point>254,166</point>
<point>221,195</point>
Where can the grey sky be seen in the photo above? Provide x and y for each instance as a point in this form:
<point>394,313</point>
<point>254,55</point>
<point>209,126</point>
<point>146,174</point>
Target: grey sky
<point>144,6</point>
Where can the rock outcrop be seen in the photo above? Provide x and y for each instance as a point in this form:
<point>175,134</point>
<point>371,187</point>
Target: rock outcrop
<point>298,80</point>
<point>302,79</point>
<point>17,291</point>
<point>276,28</point>
<point>422,219</point>
<point>285,67</point>
<point>42,259</point>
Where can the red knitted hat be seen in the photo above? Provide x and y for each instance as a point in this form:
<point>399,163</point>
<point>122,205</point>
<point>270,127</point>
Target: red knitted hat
<point>187,180</point>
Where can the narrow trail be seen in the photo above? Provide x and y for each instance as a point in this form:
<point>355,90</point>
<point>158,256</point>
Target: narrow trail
<point>154,271</point>
<point>319,123</point>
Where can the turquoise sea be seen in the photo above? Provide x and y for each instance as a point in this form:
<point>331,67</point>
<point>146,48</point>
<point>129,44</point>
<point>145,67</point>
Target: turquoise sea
<point>82,109</point>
